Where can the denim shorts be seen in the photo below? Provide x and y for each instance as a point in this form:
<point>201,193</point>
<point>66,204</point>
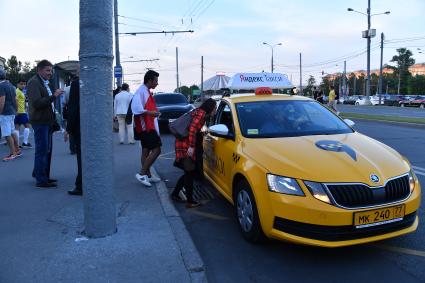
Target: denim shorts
<point>7,125</point>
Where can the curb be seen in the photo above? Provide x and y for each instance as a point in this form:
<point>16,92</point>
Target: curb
<point>191,258</point>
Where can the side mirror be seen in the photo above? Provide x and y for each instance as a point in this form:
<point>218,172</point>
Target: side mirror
<point>349,122</point>
<point>219,130</point>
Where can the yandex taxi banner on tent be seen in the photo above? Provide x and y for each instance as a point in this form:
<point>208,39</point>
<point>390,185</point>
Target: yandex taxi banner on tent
<point>255,80</point>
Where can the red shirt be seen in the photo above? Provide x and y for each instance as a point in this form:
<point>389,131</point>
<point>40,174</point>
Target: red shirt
<point>181,146</point>
<point>145,122</point>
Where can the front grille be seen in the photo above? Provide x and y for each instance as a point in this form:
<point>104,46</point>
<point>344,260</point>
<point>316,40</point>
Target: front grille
<point>360,195</point>
<point>171,115</point>
<point>339,233</point>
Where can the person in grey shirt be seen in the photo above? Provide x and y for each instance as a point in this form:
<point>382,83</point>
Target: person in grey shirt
<point>7,116</point>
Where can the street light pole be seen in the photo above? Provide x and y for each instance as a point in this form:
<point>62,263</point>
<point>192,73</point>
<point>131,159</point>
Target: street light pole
<point>368,53</point>
<point>368,34</point>
<point>271,47</point>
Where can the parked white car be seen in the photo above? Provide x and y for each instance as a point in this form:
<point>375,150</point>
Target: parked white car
<point>373,99</point>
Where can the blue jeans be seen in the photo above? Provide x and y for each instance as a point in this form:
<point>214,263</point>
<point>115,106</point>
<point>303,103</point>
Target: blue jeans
<point>43,147</point>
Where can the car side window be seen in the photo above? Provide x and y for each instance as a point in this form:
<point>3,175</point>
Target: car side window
<point>224,116</point>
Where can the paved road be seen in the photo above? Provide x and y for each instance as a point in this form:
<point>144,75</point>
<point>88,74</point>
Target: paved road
<point>228,258</point>
<point>410,112</point>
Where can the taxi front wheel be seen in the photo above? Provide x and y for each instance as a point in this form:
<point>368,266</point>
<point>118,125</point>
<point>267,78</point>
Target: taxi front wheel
<point>247,214</point>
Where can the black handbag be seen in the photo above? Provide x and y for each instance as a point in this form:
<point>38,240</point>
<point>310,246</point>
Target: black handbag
<point>129,115</point>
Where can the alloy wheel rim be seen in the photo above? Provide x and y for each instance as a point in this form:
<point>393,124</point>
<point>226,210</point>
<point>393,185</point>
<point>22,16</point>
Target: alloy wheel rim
<point>245,211</point>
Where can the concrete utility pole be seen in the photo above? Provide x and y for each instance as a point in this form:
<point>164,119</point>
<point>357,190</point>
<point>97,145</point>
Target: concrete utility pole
<point>96,94</point>
<point>380,68</point>
<point>301,77</point>
<point>368,55</point>
<point>117,42</point>
<point>177,68</point>
<point>399,79</point>
<point>202,78</point>
<point>355,85</point>
<point>344,80</point>
<point>368,34</point>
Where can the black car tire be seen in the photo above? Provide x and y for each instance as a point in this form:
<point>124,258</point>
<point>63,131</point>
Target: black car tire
<point>246,211</point>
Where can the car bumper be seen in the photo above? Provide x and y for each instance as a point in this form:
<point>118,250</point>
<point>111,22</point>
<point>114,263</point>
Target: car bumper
<point>306,220</point>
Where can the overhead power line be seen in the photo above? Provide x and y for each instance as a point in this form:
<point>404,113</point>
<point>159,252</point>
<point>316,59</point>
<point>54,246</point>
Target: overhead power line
<point>156,32</point>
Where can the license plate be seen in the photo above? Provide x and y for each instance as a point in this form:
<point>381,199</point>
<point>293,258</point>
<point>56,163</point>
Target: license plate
<point>378,216</point>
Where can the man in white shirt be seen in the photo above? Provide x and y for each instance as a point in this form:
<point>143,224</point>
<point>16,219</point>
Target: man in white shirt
<point>121,102</point>
<point>146,126</point>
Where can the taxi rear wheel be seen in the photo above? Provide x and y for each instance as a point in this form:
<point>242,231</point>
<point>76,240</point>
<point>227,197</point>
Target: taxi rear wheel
<point>247,214</point>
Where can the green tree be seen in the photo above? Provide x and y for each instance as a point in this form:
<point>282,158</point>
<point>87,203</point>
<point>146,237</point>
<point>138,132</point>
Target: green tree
<point>403,60</point>
<point>416,84</point>
<point>311,82</point>
<point>184,90</point>
<point>361,85</point>
<point>352,84</point>
<point>13,68</point>
<point>325,85</point>
<point>374,78</point>
<point>390,83</point>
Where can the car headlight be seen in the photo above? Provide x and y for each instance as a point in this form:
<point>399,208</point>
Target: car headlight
<point>284,185</point>
<point>318,191</point>
<point>412,181</point>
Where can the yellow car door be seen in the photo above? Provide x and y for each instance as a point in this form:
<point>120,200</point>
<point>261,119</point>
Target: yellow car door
<point>219,151</point>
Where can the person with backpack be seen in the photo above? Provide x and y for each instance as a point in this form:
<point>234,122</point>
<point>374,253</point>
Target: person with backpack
<point>121,104</point>
<point>185,149</point>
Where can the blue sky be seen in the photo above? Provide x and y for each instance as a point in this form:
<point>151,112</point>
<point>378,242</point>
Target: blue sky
<point>229,34</point>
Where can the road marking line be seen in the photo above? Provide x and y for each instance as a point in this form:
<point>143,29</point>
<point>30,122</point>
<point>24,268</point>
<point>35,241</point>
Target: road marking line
<point>418,168</point>
<point>169,158</point>
<point>399,250</point>
<point>165,154</point>
<point>419,173</point>
<point>208,215</point>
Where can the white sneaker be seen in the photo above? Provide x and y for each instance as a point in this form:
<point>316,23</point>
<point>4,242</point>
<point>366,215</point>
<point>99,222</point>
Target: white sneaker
<point>154,179</point>
<point>337,112</point>
<point>143,179</point>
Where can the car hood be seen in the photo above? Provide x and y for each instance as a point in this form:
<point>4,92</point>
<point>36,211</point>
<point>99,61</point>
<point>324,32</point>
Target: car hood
<point>174,107</point>
<point>327,158</point>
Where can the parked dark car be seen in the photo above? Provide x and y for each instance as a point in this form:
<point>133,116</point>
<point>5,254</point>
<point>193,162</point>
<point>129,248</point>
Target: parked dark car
<point>393,99</point>
<point>417,101</point>
<point>171,106</point>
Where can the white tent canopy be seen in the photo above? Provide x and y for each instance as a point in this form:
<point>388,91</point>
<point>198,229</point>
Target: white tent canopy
<point>217,82</point>
<point>255,80</point>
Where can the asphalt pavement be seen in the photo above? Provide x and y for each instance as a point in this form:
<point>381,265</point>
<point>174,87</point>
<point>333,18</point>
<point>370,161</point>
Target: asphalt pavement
<point>41,230</point>
<point>406,112</point>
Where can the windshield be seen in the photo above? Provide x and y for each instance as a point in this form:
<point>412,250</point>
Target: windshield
<point>270,119</point>
<point>170,99</point>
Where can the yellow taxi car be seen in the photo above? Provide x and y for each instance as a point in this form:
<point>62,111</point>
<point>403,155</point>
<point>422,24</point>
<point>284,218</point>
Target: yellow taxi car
<point>295,171</point>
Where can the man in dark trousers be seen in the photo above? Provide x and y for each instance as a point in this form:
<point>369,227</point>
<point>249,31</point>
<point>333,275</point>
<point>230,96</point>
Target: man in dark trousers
<point>42,118</point>
<point>73,128</point>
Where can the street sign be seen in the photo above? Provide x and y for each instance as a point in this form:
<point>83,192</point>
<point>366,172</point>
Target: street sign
<point>196,91</point>
<point>118,72</point>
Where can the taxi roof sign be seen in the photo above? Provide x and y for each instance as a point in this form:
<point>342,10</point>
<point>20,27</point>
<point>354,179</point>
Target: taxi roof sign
<point>255,80</point>
<point>263,91</point>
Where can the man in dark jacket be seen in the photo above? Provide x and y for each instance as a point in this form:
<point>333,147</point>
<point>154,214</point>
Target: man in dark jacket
<point>73,128</point>
<point>42,117</point>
